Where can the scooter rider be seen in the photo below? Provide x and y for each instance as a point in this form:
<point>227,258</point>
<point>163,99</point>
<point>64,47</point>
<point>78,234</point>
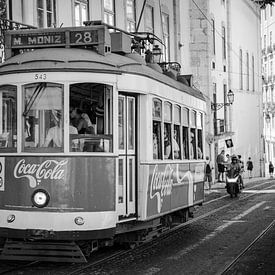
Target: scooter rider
<point>234,167</point>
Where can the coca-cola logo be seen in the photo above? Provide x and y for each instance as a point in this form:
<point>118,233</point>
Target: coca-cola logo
<point>35,173</point>
<point>162,182</point>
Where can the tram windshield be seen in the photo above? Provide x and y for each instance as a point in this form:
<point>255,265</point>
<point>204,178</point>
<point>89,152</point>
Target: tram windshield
<point>88,117</point>
<point>43,117</point>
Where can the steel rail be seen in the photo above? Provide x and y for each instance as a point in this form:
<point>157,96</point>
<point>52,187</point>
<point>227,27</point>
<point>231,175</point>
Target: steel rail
<point>149,244</point>
<point>231,264</point>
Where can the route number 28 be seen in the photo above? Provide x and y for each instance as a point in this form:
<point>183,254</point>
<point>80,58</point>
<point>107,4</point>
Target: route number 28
<point>40,76</point>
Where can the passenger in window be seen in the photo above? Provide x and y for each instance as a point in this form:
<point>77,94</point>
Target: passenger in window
<point>54,135</point>
<point>192,146</point>
<point>81,121</point>
<point>176,147</point>
<point>155,146</point>
<point>167,144</point>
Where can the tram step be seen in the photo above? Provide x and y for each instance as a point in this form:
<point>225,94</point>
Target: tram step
<point>42,251</point>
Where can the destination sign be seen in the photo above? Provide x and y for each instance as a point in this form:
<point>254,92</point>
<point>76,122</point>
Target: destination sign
<point>54,38</point>
<point>37,39</point>
<point>16,40</point>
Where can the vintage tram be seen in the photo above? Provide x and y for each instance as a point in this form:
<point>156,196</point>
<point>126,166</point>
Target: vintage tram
<point>96,146</point>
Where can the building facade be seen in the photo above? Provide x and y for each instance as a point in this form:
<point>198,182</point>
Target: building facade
<point>216,42</point>
<point>224,56</point>
<point>268,76</point>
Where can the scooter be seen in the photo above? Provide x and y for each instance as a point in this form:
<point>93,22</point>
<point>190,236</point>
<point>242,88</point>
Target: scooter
<point>233,183</point>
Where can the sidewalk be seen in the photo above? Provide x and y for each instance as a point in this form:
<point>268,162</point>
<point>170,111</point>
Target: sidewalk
<point>247,181</point>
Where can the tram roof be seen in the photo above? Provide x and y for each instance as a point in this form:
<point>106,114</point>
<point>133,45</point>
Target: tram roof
<point>83,60</point>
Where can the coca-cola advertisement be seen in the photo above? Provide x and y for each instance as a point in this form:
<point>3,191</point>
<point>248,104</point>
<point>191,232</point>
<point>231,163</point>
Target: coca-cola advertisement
<point>172,186</point>
<point>75,184</point>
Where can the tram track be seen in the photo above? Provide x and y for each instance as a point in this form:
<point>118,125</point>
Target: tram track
<point>149,244</point>
<point>246,249</point>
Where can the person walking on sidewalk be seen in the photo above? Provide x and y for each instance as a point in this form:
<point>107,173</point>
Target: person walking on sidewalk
<point>208,172</point>
<point>242,170</point>
<point>249,167</point>
<point>220,162</point>
<point>271,169</point>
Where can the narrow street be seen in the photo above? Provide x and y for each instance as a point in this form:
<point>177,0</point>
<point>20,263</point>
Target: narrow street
<point>226,236</point>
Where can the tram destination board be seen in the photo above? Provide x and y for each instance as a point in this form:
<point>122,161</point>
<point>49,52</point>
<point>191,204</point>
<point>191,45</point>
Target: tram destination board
<point>58,37</point>
<point>54,39</point>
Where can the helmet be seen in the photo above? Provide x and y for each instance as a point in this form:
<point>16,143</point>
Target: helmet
<point>234,157</point>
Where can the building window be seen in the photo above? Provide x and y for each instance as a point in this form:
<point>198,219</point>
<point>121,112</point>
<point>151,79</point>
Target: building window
<point>46,13</point>
<point>213,36</point>
<point>223,43</point>
<point>130,16</point>
<point>80,12</point>
<point>270,39</point>
<point>109,12</point>
<point>241,68</point>
<point>247,71</point>
<point>149,19</point>
<point>165,24</point>
<point>253,73</point>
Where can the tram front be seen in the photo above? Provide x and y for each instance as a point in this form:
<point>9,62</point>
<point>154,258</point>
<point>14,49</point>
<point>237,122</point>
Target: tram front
<point>57,161</point>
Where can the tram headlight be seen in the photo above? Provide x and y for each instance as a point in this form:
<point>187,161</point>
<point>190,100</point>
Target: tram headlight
<point>10,218</point>
<point>40,198</point>
<point>79,220</point>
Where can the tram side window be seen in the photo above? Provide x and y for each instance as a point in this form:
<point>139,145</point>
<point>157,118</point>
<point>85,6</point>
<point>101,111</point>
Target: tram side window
<point>193,138</point>
<point>167,130</point>
<point>91,118</point>
<point>43,117</point>
<point>157,115</point>
<point>8,122</point>
<point>200,141</point>
<point>176,134</point>
<point>185,131</point>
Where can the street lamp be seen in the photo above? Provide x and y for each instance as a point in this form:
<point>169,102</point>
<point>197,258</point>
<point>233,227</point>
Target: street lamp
<point>217,106</point>
<point>156,54</point>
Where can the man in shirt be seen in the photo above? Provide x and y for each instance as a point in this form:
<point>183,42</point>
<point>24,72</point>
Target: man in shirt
<point>220,162</point>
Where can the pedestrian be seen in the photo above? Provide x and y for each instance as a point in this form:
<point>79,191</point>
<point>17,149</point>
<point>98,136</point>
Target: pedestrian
<point>227,162</point>
<point>271,169</point>
<point>220,162</point>
<point>208,172</point>
<point>241,171</point>
<point>249,167</point>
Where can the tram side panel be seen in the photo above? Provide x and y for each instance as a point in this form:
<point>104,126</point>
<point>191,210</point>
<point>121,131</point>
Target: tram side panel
<point>76,186</point>
<point>170,187</point>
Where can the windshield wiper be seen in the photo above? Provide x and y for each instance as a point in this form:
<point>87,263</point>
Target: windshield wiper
<point>41,87</point>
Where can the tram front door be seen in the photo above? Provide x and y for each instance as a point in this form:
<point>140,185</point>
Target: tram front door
<point>126,192</point>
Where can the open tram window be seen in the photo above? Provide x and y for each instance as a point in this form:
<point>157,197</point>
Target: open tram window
<point>176,144</point>
<point>8,121</point>
<point>200,140</point>
<point>185,131</point>
<point>157,115</point>
<point>43,117</point>
<point>193,138</point>
<point>91,117</point>
<point>167,130</point>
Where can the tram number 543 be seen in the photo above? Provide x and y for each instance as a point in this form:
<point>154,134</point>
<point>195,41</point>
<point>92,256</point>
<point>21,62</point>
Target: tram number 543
<point>40,76</point>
